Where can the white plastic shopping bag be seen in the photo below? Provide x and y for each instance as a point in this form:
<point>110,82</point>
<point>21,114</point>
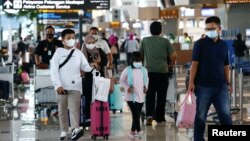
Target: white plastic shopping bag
<point>100,88</point>
<point>186,115</point>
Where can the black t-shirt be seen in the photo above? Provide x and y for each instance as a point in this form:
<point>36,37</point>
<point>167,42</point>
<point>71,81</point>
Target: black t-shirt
<point>21,47</point>
<point>46,49</point>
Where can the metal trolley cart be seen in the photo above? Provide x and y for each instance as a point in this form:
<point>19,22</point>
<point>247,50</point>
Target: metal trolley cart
<point>45,96</point>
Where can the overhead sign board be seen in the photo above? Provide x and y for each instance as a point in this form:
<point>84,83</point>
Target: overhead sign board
<point>56,4</point>
<point>70,15</point>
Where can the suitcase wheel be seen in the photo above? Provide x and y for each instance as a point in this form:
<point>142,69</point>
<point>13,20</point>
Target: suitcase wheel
<point>114,111</point>
<point>106,137</point>
<point>93,137</point>
<point>121,111</point>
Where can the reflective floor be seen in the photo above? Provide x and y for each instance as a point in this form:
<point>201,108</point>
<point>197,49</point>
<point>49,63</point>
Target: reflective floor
<point>20,124</point>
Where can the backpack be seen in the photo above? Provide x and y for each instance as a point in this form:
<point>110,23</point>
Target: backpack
<point>130,77</point>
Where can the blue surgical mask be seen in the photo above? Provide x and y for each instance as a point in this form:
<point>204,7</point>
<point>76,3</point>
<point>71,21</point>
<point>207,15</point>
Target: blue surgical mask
<point>212,34</point>
<point>137,64</point>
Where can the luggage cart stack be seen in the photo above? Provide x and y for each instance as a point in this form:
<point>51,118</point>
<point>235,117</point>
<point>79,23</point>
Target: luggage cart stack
<point>45,95</point>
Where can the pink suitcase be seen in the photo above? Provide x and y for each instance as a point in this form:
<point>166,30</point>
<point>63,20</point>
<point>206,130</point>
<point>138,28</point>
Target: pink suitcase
<point>100,119</point>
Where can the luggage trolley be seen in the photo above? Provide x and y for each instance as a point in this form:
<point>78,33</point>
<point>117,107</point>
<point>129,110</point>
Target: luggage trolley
<point>171,98</point>
<point>7,74</point>
<point>45,96</point>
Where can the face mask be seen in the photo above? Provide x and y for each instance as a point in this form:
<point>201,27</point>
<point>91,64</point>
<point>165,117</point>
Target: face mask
<point>50,36</point>
<point>70,42</point>
<point>96,37</point>
<point>137,64</point>
<point>212,34</point>
<point>90,46</point>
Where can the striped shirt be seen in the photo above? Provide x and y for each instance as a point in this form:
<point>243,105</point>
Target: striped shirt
<point>137,77</point>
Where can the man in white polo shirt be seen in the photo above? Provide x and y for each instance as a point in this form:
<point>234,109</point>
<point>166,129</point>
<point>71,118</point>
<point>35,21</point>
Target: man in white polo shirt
<point>100,43</point>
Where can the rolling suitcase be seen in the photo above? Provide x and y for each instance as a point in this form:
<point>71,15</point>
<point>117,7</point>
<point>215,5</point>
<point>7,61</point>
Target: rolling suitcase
<point>99,110</point>
<point>100,119</point>
<point>82,112</point>
<point>116,100</point>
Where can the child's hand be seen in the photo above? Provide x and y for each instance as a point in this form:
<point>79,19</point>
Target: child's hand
<point>130,90</point>
<point>145,89</point>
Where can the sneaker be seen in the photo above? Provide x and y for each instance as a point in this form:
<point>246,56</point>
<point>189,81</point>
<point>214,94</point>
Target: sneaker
<point>77,133</point>
<point>149,121</point>
<point>133,134</point>
<point>140,132</point>
<point>63,136</point>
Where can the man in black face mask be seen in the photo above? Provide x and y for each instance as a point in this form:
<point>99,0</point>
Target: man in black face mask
<point>46,48</point>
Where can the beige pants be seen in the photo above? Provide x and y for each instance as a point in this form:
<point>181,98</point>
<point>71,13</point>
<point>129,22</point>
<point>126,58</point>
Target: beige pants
<point>71,102</point>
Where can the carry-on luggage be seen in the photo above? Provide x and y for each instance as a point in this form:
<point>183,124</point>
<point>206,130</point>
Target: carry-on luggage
<point>5,89</point>
<point>115,99</point>
<point>100,119</point>
<point>99,110</point>
<point>82,112</point>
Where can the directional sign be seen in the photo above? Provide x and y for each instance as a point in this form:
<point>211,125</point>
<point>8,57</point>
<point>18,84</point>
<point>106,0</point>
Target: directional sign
<point>56,4</point>
<point>70,15</point>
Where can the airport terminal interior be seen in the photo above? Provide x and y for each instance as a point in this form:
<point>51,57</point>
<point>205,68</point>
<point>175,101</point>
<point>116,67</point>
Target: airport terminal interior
<point>23,118</point>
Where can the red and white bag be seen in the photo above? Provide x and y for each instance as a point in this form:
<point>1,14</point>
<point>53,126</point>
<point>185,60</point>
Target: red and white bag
<point>186,115</point>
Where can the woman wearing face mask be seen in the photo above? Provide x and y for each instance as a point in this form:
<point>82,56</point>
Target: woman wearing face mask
<point>134,79</point>
<point>67,82</point>
<point>92,53</point>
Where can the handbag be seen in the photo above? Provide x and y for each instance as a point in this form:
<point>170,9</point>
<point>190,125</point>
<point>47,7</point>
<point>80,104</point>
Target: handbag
<point>100,87</point>
<point>185,118</point>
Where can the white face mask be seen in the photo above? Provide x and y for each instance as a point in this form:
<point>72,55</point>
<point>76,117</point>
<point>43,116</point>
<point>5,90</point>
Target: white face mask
<point>70,42</point>
<point>212,34</point>
<point>96,37</point>
<point>90,46</point>
<point>137,64</point>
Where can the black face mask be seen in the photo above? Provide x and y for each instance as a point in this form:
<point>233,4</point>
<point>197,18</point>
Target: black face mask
<point>50,36</point>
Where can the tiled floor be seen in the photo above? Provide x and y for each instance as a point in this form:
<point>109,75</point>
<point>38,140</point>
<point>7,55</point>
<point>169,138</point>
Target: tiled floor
<point>19,124</point>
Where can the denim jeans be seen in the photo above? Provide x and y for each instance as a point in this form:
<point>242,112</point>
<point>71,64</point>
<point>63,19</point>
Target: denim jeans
<point>205,96</point>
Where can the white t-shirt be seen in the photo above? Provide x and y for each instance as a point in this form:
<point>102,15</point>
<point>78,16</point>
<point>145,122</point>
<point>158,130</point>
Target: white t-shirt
<point>68,76</point>
<point>103,45</point>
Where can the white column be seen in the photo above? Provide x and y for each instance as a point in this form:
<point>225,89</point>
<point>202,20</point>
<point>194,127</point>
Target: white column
<point>9,44</point>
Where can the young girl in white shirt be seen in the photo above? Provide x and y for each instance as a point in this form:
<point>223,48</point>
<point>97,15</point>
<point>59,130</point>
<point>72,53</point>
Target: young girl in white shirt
<point>134,79</point>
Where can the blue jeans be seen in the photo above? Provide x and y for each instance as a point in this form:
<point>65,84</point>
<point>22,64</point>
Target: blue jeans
<point>205,96</point>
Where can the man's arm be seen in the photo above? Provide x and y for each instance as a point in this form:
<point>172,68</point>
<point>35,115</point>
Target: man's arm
<point>38,53</point>
<point>107,50</point>
<point>227,76</point>
<point>37,59</point>
<point>173,58</point>
<point>192,75</point>
<point>227,73</point>
<point>110,60</point>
